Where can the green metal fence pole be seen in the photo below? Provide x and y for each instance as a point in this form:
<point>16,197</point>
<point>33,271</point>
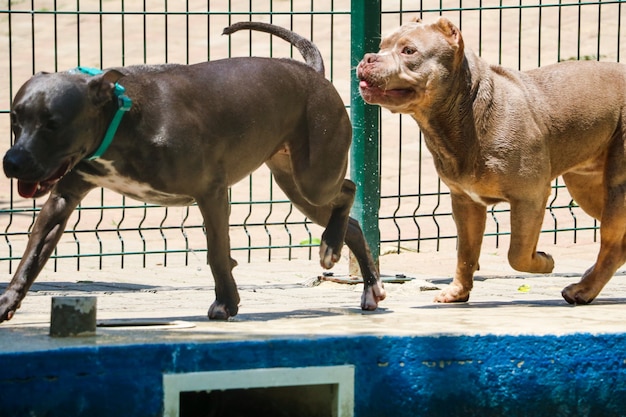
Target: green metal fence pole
<point>364,170</point>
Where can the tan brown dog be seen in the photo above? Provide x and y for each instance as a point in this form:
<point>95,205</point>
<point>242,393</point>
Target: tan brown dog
<point>502,135</point>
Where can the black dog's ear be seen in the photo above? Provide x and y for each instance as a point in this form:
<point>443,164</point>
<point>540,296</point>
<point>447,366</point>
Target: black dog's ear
<point>101,87</point>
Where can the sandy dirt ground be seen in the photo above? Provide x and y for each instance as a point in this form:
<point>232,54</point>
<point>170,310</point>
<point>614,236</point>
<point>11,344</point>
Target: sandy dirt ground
<point>515,37</point>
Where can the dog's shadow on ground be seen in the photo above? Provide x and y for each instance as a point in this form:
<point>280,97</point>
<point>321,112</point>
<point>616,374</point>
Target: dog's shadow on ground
<point>308,314</point>
<point>87,287</point>
<point>264,317</point>
<point>529,277</point>
<point>556,302</point>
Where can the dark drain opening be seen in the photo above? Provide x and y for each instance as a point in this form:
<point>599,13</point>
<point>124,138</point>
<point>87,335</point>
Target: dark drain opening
<point>143,324</point>
<point>133,323</point>
<point>284,401</point>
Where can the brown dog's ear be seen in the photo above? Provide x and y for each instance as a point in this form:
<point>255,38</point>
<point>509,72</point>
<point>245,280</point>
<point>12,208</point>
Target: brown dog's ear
<point>451,32</point>
<point>101,87</point>
<point>416,20</point>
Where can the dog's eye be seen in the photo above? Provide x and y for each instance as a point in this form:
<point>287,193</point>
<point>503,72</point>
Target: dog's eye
<point>51,124</point>
<point>409,50</point>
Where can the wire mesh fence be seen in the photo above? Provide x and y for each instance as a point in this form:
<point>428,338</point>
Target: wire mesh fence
<point>522,34</point>
<point>108,229</point>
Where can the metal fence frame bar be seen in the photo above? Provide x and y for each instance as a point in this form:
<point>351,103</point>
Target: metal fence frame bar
<point>365,162</point>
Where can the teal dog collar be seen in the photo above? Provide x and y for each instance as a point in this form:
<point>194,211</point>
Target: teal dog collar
<point>124,103</point>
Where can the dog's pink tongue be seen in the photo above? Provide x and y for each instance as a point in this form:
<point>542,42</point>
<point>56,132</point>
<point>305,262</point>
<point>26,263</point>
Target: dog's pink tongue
<point>27,189</point>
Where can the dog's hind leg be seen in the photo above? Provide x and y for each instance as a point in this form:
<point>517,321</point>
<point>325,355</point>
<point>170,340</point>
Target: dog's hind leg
<point>215,211</point>
<point>373,291</point>
<point>339,227</point>
<point>587,190</point>
<point>610,207</point>
<point>316,166</point>
<point>332,214</point>
<point>319,149</point>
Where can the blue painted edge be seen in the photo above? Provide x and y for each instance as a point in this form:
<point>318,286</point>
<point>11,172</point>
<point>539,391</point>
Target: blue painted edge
<point>573,375</point>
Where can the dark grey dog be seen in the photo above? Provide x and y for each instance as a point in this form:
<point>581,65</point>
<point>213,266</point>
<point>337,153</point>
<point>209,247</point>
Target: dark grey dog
<point>185,134</point>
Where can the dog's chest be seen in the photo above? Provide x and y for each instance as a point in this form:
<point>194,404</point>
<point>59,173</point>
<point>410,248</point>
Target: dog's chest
<point>112,179</point>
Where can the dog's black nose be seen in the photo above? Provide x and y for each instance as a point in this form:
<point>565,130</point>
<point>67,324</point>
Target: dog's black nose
<point>16,161</point>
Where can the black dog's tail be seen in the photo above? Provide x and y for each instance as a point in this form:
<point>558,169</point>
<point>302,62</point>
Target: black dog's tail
<point>309,51</point>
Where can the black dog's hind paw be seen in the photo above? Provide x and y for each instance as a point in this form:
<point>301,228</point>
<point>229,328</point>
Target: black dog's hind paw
<point>329,255</point>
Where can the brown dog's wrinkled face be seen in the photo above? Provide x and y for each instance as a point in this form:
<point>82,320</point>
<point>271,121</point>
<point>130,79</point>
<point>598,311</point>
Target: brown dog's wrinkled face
<point>412,61</point>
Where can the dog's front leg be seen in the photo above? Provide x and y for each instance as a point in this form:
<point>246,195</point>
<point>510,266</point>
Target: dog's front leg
<point>470,218</point>
<point>46,233</point>
<point>214,209</point>
<point>526,219</point>
<point>341,227</point>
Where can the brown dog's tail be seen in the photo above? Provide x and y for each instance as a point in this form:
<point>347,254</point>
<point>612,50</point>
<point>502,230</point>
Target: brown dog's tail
<point>309,51</point>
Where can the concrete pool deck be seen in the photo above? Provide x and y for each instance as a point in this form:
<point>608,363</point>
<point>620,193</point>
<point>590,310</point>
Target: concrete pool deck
<point>516,348</point>
<point>281,298</point>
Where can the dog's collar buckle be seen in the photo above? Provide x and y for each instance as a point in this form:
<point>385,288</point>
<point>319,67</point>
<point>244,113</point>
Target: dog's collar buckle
<point>124,103</point>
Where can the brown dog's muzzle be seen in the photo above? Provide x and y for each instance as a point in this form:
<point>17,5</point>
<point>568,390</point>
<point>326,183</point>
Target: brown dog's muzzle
<point>375,80</point>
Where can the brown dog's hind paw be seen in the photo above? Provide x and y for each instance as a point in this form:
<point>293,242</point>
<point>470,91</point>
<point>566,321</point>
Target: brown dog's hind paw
<point>576,295</point>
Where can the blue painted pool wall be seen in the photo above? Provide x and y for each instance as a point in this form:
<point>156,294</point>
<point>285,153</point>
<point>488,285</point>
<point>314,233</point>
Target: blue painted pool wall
<point>575,375</point>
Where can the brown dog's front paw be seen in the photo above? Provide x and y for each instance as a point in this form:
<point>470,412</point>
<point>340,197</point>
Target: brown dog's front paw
<point>576,294</point>
<point>220,311</point>
<point>539,263</point>
<point>548,263</point>
<point>453,294</point>
<point>372,295</point>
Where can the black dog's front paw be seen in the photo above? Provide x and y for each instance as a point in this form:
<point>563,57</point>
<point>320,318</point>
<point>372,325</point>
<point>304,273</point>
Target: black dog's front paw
<point>8,307</point>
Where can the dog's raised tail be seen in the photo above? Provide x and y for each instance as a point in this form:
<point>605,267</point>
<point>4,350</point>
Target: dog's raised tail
<point>309,51</point>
